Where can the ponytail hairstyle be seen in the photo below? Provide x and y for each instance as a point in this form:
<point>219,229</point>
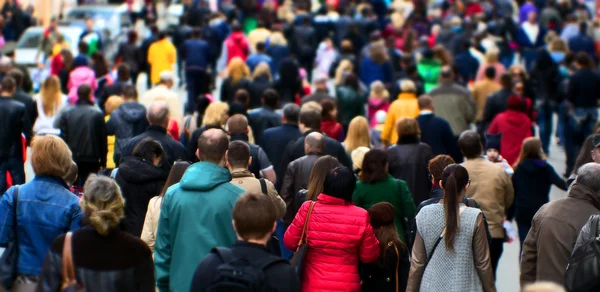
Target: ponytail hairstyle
<point>454,179</point>
<point>102,203</point>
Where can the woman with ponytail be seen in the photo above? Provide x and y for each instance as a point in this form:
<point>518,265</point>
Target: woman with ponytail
<point>451,252</point>
<point>104,258</point>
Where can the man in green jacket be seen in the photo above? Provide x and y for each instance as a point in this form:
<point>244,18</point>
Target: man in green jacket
<point>195,215</point>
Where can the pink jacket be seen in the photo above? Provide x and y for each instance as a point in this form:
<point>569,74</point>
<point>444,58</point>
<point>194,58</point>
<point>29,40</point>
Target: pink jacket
<point>80,76</point>
<point>373,107</point>
<point>339,235</point>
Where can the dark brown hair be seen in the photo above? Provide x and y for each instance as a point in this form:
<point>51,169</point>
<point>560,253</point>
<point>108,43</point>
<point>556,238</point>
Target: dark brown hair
<point>437,166</point>
<point>238,154</point>
<point>318,173</point>
<point>328,106</point>
<point>175,175</point>
<point>454,179</point>
<point>374,168</point>
<point>407,127</point>
<point>254,216</point>
<point>148,149</point>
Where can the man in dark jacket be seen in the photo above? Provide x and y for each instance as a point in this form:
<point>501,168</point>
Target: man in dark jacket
<point>582,42</point>
<point>83,129</point>
<point>298,173</point>
<point>274,140</point>
<point>555,228</point>
<point>496,103</point>
<point>305,42</point>
<point>584,93</point>
<point>127,121</point>
<point>265,117</point>
<point>435,131</point>
<point>237,127</point>
<point>310,122</point>
<point>258,215</point>
<point>321,91</point>
<point>118,87</point>
<point>158,118</point>
<point>196,53</point>
<point>21,96</point>
<point>14,118</point>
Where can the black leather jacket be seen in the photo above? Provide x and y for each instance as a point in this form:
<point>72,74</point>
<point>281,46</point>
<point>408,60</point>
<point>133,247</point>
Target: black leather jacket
<point>83,129</point>
<point>14,121</point>
<point>296,178</point>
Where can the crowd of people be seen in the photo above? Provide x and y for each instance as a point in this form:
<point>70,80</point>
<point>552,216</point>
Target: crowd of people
<point>355,146</point>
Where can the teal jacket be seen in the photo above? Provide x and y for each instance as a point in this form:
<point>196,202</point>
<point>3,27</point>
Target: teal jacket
<point>391,190</point>
<point>195,217</point>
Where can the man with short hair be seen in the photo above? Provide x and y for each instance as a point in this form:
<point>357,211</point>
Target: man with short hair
<point>582,42</point>
<point>556,226</point>
<point>258,57</point>
<point>158,117</point>
<point>14,118</point>
<point>21,96</point>
<point>83,129</point>
<point>435,131</point>
<point>237,160</point>
<point>483,88</point>
<point>164,91</point>
<point>127,121</point>
<point>321,91</point>
<point>195,215</point>
<point>298,172</point>
<point>117,88</point>
<point>254,221</point>
<point>490,187</point>
<point>453,102</point>
<point>265,117</point>
<point>237,128</point>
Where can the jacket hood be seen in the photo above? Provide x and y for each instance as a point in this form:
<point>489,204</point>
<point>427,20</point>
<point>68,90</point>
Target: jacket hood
<point>533,165</point>
<point>515,118</point>
<point>132,112</point>
<point>237,37</point>
<point>81,75</point>
<point>204,176</point>
<point>136,170</point>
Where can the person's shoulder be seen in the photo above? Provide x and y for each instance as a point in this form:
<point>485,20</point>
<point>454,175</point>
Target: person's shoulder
<point>57,244</point>
<point>139,248</point>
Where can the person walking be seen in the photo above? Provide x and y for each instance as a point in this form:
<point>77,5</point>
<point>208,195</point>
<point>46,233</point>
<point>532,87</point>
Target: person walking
<point>532,180</point>
<point>259,56</point>
<point>484,88</point>
<point>338,235</point>
<point>196,53</point>
<point>45,209</point>
<point>164,91</point>
<point>23,97</point>
<point>496,103</point>
<point>81,74</point>
<point>435,131</point>
<point>206,194</point>
<point>107,256</point>
<point>515,126</point>
<point>350,100</point>
<point>405,106</point>
<point>261,82</point>
<point>130,54</point>
<point>83,129</point>
<point>451,248</point>
<point>238,77</point>
<point>358,134</point>
<point>265,117</point>
<point>556,226</point>
<point>453,102</point>
<point>50,102</point>
<point>161,57</point>
<point>376,185</point>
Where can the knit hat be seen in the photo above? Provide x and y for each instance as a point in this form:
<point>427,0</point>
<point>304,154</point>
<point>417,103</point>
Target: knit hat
<point>382,214</point>
<point>358,155</point>
<point>492,141</point>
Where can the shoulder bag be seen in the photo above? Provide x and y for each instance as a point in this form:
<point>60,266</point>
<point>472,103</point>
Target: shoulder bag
<point>297,260</point>
<point>10,257</point>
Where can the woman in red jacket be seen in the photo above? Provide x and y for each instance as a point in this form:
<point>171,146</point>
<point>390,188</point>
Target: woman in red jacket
<point>515,126</point>
<point>338,236</point>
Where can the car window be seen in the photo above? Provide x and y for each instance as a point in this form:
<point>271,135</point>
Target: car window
<point>84,14</point>
<point>29,40</point>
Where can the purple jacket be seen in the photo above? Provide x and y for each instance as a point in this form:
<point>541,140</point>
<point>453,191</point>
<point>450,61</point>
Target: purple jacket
<point>80,76</point>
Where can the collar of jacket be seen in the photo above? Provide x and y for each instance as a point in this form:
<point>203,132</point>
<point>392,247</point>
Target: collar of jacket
<point>437,193</point>
<point>239,137</point>
<point>310,131</point>
<point>290,125</point>
<point>83,102</point>
<point>51,179</point>
<point>412,139</point>
<point>156,128</point>
<point>581,192</point>
<point>240,243</point>
<point>241,172</point>
<point>268,108</point>
<point>330,200</point>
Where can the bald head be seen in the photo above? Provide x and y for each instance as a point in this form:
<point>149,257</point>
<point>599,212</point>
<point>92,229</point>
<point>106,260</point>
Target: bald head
<point>314,142</point>
<point>212,146</point>
<point>587,175</point>
<point>158,114</point>
<point>237,124</point>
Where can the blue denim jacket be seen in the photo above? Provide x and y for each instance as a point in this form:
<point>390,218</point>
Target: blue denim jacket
<point>46,209</point>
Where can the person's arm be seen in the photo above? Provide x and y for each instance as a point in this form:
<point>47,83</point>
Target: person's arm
<point>6,217</point>
<point>471,108</point>
<point>557,180</point>
<point>388,127</point>
<point>102,139</point>
<point>172,55</point>
<point>110,126</point>
<point>488,113</point>
<point>287,189</point>
<point>369,245</point>
<point>205,272</point>
<point>27,125</point>
<point>294,231</point>
<point>163,247</point>
<point>148,232</point>
<point>76,216</point>
<point>481,256</point>
<point>509,191</point>
<point>529,255</point>
<point>144,275</point>
<point>280,204</point>
<point>409,210</point>
<point>51,275</point>
<point>265,166</point>
<point>417,264</point>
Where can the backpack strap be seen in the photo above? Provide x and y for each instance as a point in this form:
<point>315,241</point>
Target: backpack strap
<point>224,253</point>
<point>271,261</point>
<point>263,186</point>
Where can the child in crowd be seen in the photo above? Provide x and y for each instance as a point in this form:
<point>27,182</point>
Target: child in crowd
<point>492,151</point>
<point>380,116</point>
<point>378,101</point>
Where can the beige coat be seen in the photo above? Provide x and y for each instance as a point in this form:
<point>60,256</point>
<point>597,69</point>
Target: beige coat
<point>481,91</point>
<point>151,222</point>
<point>246,180</point>
<point>492,189</point>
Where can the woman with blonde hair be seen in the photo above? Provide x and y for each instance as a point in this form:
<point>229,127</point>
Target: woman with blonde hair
<point>261,81</point>
<point>39,210</point>
<point>379,99</point>
<point>343,69</point>
<point>50,101</point>
<point>238,77</point>
<point>215,117</point>
<point>406,106</point>
<point>358,134</point>
<point>108,257</point>
<point>491,60</point>
<point>532,181</point>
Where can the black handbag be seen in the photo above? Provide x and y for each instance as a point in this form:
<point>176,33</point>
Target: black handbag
<point>10,257</point>
<point>297,260</point>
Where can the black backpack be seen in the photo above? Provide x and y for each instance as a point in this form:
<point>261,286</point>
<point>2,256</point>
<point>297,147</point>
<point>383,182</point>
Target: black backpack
<point>583,270</point>
<point>240,275</point>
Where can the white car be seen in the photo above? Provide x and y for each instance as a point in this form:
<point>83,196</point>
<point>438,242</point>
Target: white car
<point>27,46</point>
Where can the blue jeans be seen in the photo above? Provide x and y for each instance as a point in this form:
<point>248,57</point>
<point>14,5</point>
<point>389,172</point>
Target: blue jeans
<point>578,124</point>
<point>544,121</point>
<point>280,231</point>
<point>523,231</point>
<point>15,166</point>
<point>587,119</point>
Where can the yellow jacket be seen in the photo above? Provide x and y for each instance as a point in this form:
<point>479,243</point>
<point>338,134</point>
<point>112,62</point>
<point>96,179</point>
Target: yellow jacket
<point>161,57</point>
<point>110,162</point>
<point>406,106</point>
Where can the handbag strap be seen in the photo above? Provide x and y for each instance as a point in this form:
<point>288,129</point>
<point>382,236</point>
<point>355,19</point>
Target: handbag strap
<point>68,271</point>
<point>397,266</point>
<point>437,242</point>
<point>305,228</point>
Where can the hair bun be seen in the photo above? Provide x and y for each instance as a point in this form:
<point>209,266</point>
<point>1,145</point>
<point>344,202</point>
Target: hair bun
<point>104,220</point>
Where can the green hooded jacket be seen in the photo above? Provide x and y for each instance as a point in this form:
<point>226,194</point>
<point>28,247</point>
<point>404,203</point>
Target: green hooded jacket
<point>195,217</point>
<point>429,70</point>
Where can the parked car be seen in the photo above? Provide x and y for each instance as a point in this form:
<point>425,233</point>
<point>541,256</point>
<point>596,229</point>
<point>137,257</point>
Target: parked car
<point>27,46</point>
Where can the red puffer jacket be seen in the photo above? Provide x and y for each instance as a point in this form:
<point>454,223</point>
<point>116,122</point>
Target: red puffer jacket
<point>237,46</point>
<point>339,235</point>
<point>515,127</point>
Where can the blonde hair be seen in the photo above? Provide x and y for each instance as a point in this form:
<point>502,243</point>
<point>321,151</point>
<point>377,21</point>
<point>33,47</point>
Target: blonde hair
<point>277,38</point>
<point>358,134</point>
<point>50,95</point>
<point>407,127</point>
<point>237,70</point>
<point>408,86</point>
<point>543,287</point>
<point>262,69</point>
<point>344,67</point>
<point>102,203</point>
<point>50,156</point>
<point>491,56</point>
<point>112,103</point>
<point>559,45</point>
<point>216,114</point>
<point>311,106</point>
<point>550,37</point>
<point>378,90</point>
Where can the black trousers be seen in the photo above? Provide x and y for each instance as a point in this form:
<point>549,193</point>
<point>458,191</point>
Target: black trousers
<point>496,249</point>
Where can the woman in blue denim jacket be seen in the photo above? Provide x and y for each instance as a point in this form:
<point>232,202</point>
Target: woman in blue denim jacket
<point>45,208</point>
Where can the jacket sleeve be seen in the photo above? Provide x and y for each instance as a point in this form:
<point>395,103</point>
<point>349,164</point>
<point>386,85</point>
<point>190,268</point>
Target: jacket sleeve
<point>280,205</point>
<point>51,275</point>
<point>172,56</point>
<point>417,265</point>
<point>509,191</point>
<point>148,232</point>
<point>76,216</point>
<point>488,113</point>
<point>343,158</point>
<point>388,127</point>
<point>293,233</point>
<point>471,107</point>
<point>369,245</point>
<point>557,180</point>
<point>144,275</point>
<point>287,189</point>
<point>409,209</point>
<point>529,255</point>
<point>163,248</point>
<point>481,256</point>
<point>6,216</point>
<point>27,121</point>
<point>102,138</point>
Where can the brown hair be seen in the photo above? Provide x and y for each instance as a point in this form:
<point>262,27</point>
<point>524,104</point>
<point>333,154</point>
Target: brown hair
<point>175,175</point>
<point>407,127</point>
<point>262,70</point>
<point>358,134</point>
<point>318,173</point>
<point>374,166</point>
<point>50,96</point>
<point>254,216</point>
<point>454,179</point>
<point>437,165</point>
<point>378,53</point>
<point>238,154</point>
<point>443,55</point>
<point>530,149</point>
<point>50,156</point>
